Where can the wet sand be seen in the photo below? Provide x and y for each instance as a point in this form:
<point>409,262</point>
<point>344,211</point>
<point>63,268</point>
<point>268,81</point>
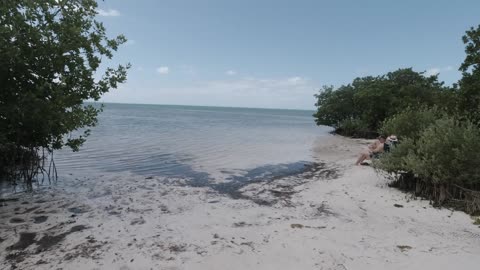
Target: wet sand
<point>333,215</point>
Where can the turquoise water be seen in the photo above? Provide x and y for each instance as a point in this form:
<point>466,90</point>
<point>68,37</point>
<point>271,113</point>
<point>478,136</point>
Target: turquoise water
<point>207,143</point>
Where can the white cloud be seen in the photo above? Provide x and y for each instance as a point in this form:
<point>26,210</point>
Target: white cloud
<point>437,70</point>
<point>296,80</point>
<point>163,70</point>
<point>294,92</point>
<point>108,13</point>
<point>230,72</point>
<point>259,85</point>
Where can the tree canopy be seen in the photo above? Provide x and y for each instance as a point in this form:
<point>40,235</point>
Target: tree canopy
<point>370,100</point>
<point>50,58</point>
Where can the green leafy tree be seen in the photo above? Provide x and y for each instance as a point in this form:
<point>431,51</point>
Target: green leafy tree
<point>362,106</point>
<point>334,106</point>
<point>51,52</point>
<point>384,96</point>
<point>469,85</point>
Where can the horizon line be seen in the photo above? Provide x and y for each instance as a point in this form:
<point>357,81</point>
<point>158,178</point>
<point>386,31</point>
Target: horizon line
<point>187,105</point>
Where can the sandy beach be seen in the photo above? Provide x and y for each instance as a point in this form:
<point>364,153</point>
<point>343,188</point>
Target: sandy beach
<point>334,215</point>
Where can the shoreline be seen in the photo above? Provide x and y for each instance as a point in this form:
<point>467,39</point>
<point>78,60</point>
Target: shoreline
<point>333,216</point>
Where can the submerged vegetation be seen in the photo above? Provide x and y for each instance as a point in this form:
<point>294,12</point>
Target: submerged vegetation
<point>51,54</point>
<point>438,156</point>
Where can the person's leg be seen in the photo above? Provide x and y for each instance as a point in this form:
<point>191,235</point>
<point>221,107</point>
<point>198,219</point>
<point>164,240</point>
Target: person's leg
<point>363,156</point>
<point>360,159</point>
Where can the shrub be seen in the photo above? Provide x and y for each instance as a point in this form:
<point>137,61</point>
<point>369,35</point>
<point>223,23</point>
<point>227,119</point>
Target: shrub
<point>447,152</point>
<point>410,122</point>
<point>355,128</point>
<point>442,163</point>
<point>394,161</point>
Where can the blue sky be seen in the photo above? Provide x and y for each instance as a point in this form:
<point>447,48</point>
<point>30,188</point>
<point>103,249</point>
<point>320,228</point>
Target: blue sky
<point>275,53</point>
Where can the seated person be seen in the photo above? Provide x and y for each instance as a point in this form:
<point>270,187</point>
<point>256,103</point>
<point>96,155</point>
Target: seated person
<point>390,143</point>
<point>392,139</point>
<point>373,149</point>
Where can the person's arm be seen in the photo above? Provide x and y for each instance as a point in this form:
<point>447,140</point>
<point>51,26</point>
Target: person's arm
<point>373,146</point>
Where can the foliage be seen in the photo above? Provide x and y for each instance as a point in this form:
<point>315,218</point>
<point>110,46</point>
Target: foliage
<point>51,54</point>
<point>334,106</point>
<point>447,152</point>
<point>469,86</point>
<point>410,122</point>
<point>394,161</point>
<point>371,100</point>
<point>354,127</point>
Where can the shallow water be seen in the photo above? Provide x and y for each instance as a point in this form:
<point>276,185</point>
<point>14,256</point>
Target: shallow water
<point>204,143</point>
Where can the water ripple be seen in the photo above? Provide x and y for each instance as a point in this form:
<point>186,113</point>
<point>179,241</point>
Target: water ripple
<point>197,142</point>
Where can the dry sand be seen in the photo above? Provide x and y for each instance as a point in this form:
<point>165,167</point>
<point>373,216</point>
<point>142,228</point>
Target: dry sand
<point>332,216</point>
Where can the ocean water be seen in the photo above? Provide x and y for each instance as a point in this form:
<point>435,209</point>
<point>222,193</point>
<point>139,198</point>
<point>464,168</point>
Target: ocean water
<point>202,143</point>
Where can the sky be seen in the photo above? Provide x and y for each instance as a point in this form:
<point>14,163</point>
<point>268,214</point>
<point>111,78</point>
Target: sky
<point>277,53</point>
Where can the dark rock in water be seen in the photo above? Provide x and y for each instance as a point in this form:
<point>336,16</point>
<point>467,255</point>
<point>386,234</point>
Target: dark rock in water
<point>40,219</point>
<point>398,205</point>
<point>25,203</point>
<point>17,220</point>
<point>26,239</point>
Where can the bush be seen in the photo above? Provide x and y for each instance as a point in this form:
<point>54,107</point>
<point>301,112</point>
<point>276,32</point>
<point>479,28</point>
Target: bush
<point>447,152</point>
<point>408,126</point>
<point>440,161</point>
<point>355,128</point>
<point>394,161</point>
<point>410,122</point>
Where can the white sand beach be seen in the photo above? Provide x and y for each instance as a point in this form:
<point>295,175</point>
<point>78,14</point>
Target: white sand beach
<point>333,216</point>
